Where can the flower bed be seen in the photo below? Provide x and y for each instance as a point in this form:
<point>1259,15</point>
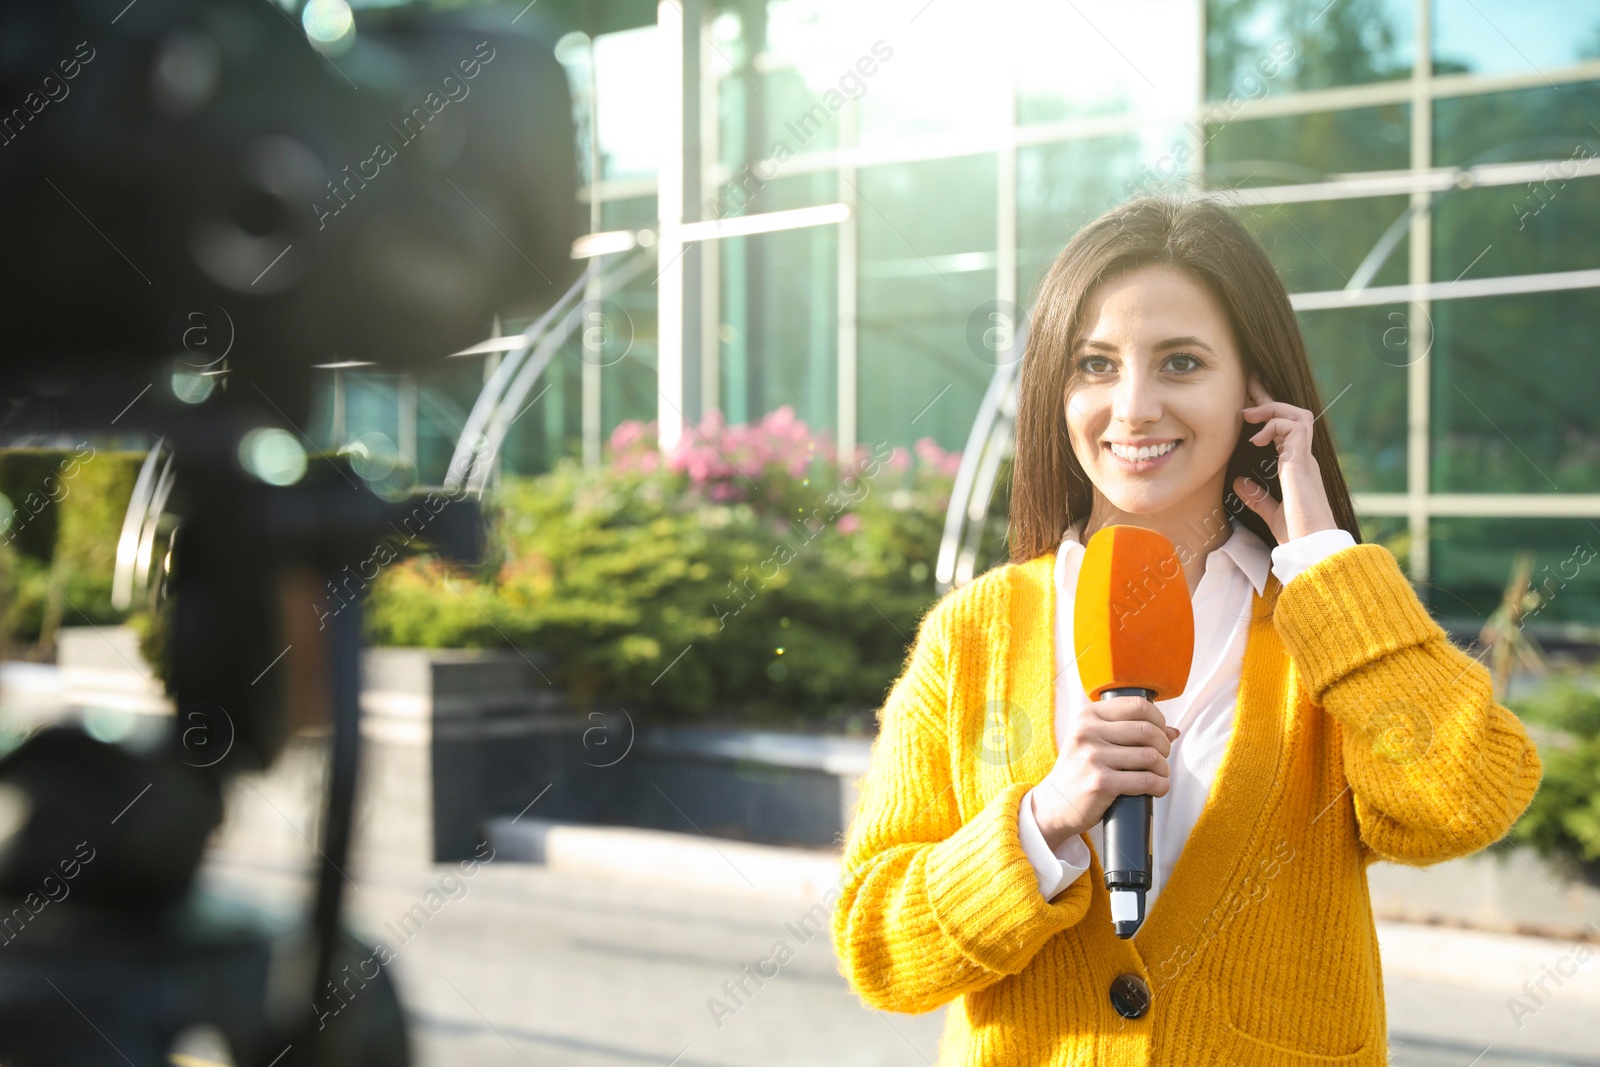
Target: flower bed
<point>745,578</point>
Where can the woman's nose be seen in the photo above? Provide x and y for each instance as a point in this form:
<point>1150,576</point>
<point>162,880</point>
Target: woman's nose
<point>1134,400</point>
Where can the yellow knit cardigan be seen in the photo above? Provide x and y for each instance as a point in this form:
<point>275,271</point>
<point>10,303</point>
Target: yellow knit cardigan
<point>1360,733</point>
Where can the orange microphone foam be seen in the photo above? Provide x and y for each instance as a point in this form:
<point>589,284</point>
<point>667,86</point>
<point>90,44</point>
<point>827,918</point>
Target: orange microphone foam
<point>1133,623</point>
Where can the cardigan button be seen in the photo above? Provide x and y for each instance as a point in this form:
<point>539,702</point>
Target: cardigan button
<point>1130,996</point>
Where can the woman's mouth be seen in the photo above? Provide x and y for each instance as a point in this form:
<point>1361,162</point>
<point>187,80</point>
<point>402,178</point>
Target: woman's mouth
<point>1139,460</point>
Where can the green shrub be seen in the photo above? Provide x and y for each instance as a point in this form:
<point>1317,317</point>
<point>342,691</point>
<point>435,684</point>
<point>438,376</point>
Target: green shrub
<point>741,579</point>
<point>1563,821</point>
<point>62,515</point>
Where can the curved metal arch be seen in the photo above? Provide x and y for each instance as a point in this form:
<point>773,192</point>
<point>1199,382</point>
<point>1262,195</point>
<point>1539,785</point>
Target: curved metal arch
<point>136,542</point>
<point>500,401</point>
<point>990,441</point>
<point>463,459</point>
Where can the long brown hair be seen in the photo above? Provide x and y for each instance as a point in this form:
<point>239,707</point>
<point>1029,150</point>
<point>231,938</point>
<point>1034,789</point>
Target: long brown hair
<point>1049,490</point>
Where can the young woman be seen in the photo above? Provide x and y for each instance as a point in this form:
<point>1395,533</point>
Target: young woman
<point>1328,720</point>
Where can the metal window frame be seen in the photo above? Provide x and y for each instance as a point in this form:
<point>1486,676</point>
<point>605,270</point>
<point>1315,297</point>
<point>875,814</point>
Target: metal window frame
<point>1420,182</point>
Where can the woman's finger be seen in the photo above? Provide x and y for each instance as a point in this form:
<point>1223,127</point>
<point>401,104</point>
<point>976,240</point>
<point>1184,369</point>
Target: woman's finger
<point>1277,407</point>
<point>1139,733</point>
<point>1258,500</point>
<point>1280,428</point>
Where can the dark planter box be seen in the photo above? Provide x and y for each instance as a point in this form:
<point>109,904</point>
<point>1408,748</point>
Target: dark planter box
<point>502,742</point>
<point>775,788</point>
<point>458,736</point>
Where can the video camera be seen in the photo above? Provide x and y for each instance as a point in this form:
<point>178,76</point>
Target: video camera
<point>307,188</point>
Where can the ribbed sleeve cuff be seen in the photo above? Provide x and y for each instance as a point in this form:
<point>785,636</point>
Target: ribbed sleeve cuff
<point>1346,611</point>
<point>1291,558</point>
<point>985,894</point>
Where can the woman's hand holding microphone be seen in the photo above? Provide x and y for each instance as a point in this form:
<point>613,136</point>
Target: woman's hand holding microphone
<point>1115,747</point>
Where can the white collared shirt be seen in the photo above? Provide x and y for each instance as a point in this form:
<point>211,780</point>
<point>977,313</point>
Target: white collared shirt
<point>1203,712</point>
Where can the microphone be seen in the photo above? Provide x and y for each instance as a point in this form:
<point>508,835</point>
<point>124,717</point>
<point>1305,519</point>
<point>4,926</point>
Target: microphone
<point>1133,631</point>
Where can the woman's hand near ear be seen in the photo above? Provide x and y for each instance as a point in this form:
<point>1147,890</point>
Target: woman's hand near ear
<point>1304,509</point>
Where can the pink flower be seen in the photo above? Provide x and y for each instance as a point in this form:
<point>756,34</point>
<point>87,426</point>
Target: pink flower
<point>779,421</point>
<point>712,422</point>
<point>626,434</point>
<point>899,460</point>
<point>850,523</point>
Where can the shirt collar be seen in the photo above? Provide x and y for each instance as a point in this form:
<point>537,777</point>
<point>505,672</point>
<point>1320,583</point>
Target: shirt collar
<point>1244,549</point>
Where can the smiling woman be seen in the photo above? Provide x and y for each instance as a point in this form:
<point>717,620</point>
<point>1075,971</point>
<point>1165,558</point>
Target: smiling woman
<point>1327,720</point>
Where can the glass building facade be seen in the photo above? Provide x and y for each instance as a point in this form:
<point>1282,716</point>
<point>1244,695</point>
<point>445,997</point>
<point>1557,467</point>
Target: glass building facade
<point>843,200</point>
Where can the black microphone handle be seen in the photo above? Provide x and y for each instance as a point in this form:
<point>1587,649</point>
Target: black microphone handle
<point>1126,826</point>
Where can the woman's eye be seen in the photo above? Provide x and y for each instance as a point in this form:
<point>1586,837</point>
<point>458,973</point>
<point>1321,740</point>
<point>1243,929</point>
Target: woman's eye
<point>1185,360</point>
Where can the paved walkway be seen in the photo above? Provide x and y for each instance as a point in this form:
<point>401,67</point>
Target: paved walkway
<point>527,965</point>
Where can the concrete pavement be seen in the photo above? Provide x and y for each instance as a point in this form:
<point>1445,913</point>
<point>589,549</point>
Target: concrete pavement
<point>614,954</point>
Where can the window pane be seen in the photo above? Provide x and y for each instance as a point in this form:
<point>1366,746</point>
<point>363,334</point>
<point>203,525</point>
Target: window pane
<point>817,51</point>
<point>1302,148</point>
<point>803,113</point>
<point>747,194</point>
<point>1529,124</point>
<point>780,116</point>
<point>1517,229</point>
<point>1320,246</point>
<point>917,377</point>
<point>925,271</point>
<point>1513,36</point>
<point>1321,45</point>
<point>1471,561</point>
<point>1513,394</point>
<point>633,213</point>
<point>629,95</point>
<point>371,404</point>
<point>1359,361</point>
<point>1104,57</point>
<point>914,212</point>
<point>1063,187</point>
<point>627,352</point>
<point>940,74</point>
<point>779,331</point>
<point>894,69</point>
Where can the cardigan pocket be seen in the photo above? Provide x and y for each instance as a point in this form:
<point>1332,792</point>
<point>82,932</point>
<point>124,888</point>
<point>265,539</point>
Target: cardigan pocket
<point>1259,1052</point>
<point>1284,1035</point>
<point>1269,1053</point>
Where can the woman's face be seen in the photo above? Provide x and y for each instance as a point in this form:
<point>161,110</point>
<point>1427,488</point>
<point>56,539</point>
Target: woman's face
<point>1156,366</point>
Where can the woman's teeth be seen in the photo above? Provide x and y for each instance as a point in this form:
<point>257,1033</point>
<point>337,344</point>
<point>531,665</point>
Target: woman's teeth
<point>1142,453</point>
